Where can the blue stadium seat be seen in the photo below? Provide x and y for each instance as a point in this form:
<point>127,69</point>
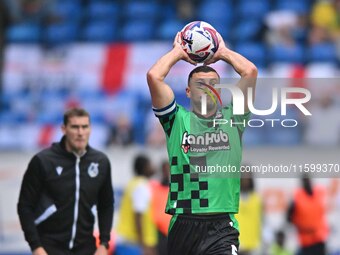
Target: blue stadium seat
<point>85,94</point>
<point>168,29</point>
<point>224,29</point>
<point>182,99</point>
<point>254,136</point>
<point>102,11</point>
<point>247,30</point>
<point>300,34</point>
<point>61,33</point>
<point>100,31</point>
<point>216,12</point>
<point>67,10</point>
<point>138,31</point>
<point>300,6</point>
<point>141,10</point>
<point>287,54</point>
<point>47,117</point>
<point>284,136</point>
<point>14,117</point>
<point>169,12</point>
<point>323,52</point>
<point>24,33</point>
<point>280,135</point>
<point>255,52</point>
<point>253,9</point>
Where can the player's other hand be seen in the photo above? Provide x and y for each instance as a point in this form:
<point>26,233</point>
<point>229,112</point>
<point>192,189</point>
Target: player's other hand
<point>149,251</point>
<point>101,250</point>
<point>179,50</point>
<point>39,251</point>
<point>219,53</point>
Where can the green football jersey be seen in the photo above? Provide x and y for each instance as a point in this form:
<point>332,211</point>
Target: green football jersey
<point>205,157</point>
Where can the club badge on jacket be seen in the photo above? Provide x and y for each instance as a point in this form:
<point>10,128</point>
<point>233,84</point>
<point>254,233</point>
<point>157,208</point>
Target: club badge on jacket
<point>93,169</point>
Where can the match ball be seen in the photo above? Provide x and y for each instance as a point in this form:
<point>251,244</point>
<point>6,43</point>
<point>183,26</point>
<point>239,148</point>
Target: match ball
<point>199,40</point>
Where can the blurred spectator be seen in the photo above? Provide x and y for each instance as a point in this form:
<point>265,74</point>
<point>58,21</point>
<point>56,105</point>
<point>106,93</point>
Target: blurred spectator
<point>136,230</point>
<point>278,248</point>
<point>281,25</point>
<point>4,23</point>
<point>121,132</point>
<point>325,21</point>
<point>323,127</point>
<point>285,28</point>
<point>249,216</point>
<point>307,213</point>
<point>155,136</point>
<point>31,11</point>
<point>160,192</point>
<point>186,9</point>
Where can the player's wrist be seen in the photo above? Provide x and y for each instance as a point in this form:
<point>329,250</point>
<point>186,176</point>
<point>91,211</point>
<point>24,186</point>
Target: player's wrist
<point>105,245</point>
<point>178,52</point>
<point>225,54</point>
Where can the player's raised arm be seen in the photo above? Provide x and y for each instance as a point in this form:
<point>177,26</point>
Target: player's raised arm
<point>161,94</point>
<point>245,68</point>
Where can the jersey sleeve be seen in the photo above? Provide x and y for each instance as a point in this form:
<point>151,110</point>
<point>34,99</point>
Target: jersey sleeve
<point>167,116</point>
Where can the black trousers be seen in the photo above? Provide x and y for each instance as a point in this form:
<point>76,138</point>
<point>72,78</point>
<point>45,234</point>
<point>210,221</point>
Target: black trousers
<point>162,244</point>
<point>87,248</point>
<point>203,235</point>
<point>315,249</point>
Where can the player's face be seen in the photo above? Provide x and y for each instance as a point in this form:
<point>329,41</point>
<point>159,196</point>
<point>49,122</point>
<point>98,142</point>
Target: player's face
<point>77,132</point>
<point>197,87</point>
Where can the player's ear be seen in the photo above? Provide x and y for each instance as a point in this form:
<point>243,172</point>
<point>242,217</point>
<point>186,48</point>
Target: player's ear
<point>188,92</point>
<point>63,129</point>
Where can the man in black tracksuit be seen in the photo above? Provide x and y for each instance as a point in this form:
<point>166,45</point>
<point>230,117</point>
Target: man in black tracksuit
<point>61,191</point>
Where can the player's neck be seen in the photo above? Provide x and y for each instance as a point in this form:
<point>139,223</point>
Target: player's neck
<point>205,116</point>
<point>208,115</point>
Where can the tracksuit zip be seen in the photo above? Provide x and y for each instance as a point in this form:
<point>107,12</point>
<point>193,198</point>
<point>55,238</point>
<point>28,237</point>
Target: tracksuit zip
<point>76,203</point>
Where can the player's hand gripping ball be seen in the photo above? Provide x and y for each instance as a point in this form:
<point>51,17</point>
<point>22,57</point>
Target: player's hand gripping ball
<point>199,40</point>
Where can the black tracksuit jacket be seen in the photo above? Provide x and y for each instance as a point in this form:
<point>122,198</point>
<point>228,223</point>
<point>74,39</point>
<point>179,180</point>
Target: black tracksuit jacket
<point>59,194</point>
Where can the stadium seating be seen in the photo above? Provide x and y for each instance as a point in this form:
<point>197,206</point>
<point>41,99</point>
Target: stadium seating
<point>222,14</point>
<point>105,21</point>
<point>69,11</point>
<point>13,117</point>
<point>253,136</point>
<point>300,7</point>
<point>24,33</point>
<point>169,12</point>
<point>137,31</point>
<point>287,54</point>
<point>247,30</point>
<point>144,11</point>
<point>281,135</point>
<point>169,28</point>
<point>102,11</point>
<point>61,33</point>
<point>253,9</point>
<point>224,29</point>
<point>100,31</point>
<point>323,52</point>
<point>256,52</point>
